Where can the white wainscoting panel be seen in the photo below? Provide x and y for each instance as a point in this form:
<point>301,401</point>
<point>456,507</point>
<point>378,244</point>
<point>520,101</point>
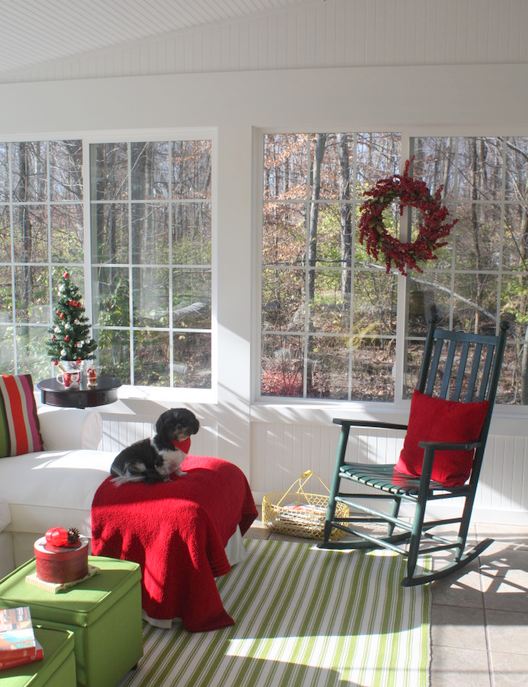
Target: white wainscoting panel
<point>122,430</point>
<point>281,452</point>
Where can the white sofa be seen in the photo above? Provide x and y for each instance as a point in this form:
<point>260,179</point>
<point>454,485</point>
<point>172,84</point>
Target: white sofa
<point>54,487</point>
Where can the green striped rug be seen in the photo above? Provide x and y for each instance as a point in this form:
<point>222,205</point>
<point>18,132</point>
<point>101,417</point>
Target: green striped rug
<point>304,618</point>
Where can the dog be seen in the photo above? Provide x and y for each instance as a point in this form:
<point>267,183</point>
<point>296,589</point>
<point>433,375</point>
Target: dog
<point>154,460</point>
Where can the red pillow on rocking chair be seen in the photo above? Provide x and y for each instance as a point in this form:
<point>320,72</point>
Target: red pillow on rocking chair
<point>435,419</point>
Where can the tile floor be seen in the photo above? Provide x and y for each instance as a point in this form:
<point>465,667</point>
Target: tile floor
<point>479,627</point>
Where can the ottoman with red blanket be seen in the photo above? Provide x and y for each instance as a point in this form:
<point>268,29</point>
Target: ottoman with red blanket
<point>177,532</point>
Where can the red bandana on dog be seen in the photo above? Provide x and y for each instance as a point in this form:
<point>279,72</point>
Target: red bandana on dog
<point>183,445</point>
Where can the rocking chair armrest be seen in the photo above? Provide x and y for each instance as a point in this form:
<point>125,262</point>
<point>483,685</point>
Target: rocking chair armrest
<point>430,448</point>
<point>367,423</point>
<point>447,446</point>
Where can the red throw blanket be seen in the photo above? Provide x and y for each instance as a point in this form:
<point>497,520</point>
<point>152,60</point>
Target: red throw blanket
<point>177,531</point>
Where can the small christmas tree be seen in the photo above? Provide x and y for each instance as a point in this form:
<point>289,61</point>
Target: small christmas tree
<point>70,335</point>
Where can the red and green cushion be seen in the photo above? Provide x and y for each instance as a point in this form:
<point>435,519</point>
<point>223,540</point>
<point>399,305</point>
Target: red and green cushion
<point>19,425</point>
<point>436,419</point>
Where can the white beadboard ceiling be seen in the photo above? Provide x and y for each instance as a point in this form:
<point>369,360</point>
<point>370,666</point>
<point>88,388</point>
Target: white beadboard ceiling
<point>43,40</point>
<point>35,31</point>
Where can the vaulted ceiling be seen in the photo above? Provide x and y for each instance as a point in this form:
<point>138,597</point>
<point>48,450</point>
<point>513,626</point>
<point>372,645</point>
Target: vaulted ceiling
<point>33,32</point>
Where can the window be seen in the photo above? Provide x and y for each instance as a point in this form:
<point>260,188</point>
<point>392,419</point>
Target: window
<point>328,312</point>
<point>41,230</point>
<point>147,272</point>
<point>151,256</point>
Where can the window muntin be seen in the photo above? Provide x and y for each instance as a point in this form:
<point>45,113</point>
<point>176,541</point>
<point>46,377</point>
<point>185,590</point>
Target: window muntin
<point>149,262</point>
<point>329,313</point>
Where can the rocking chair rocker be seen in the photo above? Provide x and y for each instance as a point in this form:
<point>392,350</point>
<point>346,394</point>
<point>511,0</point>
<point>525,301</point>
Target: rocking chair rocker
<point>457,369</point>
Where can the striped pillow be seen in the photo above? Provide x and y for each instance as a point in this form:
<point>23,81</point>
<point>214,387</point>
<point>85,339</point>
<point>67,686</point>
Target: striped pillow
<point>18,415</point>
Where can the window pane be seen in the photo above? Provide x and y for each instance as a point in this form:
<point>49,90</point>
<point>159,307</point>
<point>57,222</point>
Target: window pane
<point>32,294</point>
<point>76,274</point>
<point>191,169</point>
<point>191,299</point>
<point>150,171</point>
<point>286,166</point>
<point>468,168</point>
<point>7,350</point>
<point>191,234</point>
<point>477,236</point>
<point>516,154</point>
<point>150,234</point>
<point>67,233</point>
<point>151,358</point>
<point>111,300</point>
<point>4,173</point>
<point>31,347</point>
<point>282,365</point>
<point>30,233</point>
<point>283,305</point>
<point>513,386</point>
<point>5,234</point>
<point>424,290</point>
<point>65,160</point>
<point>515,249</point>
<point>284,234</point>
<point>327,372</point>
<point>113,353</point>
<point>150,296</point>
<point>475,303</point>
<point>192,360</point>
<point>29,170</point>
<point>374,303</point>
<point>378,156</point>
<point>109,233</point>
<point>6,295</point>
<point>109,171</point>
<point>330,306</point>
<point>372,369</point>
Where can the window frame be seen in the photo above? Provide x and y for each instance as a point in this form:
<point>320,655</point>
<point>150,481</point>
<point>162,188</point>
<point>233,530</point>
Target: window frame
<point>399,406</point>
<point>89,138</point>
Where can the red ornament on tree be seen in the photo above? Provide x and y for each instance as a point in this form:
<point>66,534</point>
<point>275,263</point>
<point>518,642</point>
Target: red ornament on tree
<point>432,227</point>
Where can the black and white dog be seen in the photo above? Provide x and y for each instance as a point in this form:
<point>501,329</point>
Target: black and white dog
<point>153,460</point>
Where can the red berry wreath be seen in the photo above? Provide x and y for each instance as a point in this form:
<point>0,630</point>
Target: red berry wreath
<point>431,226</point>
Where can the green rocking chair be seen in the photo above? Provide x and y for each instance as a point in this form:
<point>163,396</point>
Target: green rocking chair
<point>457,369</point>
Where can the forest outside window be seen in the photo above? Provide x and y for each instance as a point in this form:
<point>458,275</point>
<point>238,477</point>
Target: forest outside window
<point>147,273</point>
<point>328,315</point>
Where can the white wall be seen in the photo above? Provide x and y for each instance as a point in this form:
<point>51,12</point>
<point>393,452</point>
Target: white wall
<point>274,443</point>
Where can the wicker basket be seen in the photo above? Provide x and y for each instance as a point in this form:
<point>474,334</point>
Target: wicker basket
<point>298,513</point>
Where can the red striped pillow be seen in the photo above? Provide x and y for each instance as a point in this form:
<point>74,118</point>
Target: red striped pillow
<point>20,411</point>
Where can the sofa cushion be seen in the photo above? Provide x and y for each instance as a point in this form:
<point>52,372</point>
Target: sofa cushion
<point>52,488</point>
<point>19,412</point>
<point>5,515</point>
<point>69,428</point>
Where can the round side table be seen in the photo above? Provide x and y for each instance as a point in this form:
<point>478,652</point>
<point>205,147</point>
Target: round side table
<point>54,394</point>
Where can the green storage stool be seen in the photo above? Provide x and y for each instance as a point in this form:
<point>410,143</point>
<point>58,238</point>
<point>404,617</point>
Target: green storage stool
<point>56,669</point>
<point>103,612</point>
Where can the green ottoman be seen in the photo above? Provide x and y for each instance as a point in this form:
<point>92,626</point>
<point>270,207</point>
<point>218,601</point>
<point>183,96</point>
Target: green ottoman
<point>57,668</point>
<point>103,612</point>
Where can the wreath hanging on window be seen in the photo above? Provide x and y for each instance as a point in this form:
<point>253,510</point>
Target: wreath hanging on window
<point>432,227</point>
